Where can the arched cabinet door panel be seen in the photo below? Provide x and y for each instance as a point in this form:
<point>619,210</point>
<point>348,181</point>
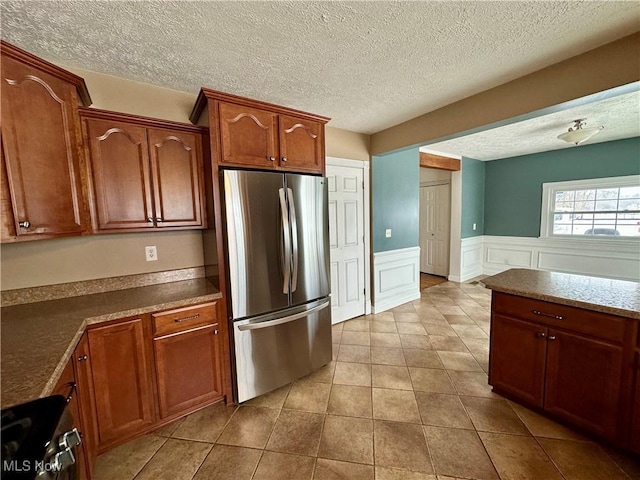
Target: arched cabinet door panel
<point>120,174</point>
<point>301,144</point>
<point>176,160</point>
<point>248,136</point>
<point>40,149</point>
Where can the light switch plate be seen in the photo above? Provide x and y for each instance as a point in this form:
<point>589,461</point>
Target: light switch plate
<point>387,233</point>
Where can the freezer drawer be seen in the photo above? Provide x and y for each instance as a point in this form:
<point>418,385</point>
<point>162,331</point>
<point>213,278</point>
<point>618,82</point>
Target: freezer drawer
<point>272,351</point>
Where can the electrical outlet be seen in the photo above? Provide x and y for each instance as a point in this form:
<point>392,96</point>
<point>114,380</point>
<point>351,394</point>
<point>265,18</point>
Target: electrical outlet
<point>151,253</point>
<point>387,233</point>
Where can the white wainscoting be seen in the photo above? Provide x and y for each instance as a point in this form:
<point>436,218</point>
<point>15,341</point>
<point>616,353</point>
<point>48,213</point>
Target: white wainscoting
<point>470,259</point>
<point>396,278</point>
<point>611,258</point>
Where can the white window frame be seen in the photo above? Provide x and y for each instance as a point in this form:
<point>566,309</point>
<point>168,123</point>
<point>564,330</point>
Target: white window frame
<point>548,198</point>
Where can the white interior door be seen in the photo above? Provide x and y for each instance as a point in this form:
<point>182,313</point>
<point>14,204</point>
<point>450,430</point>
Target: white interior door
<point>435,208</point>
<point>346,239</point>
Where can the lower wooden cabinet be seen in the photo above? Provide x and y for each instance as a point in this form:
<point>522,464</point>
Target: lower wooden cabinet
<point>187,369</point>
<point>84,383</point>
<point>122,380</point>
<point>144,371</point>
<point>518,358</point>
<point>583,382</point>
<point>566,363</point>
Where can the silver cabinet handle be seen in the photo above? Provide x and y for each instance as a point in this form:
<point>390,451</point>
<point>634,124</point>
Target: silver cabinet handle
<point>294,238</point>
<point>184,319</point>
<point>287,241</point>
<point>215,332</point>
<point>280,321</point>
<point>149,219</point>
<point>550,315</point>
<point>82,358</point>
<point>25,224</point>
<point>552,338</point>
<point>284,159</point>
<point>272,159</point>
<point>159,219</point>
<point>541,334</point>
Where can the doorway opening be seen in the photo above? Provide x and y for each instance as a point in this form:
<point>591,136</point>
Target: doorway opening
<point>435,221</point>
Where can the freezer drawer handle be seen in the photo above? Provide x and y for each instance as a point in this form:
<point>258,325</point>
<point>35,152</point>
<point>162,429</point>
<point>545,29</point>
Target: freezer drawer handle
<point>280,321</point>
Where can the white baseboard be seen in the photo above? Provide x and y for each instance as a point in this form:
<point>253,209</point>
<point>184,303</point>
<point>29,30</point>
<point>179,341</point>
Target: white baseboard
<point>610,258</point>
<point>396,278</point>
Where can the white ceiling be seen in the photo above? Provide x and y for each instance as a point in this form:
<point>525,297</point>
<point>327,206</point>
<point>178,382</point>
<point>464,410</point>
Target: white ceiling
<point>620,116</point>
<point>368,65</point>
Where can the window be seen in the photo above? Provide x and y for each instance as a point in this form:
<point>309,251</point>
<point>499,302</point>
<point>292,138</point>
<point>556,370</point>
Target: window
<point>595,208</point>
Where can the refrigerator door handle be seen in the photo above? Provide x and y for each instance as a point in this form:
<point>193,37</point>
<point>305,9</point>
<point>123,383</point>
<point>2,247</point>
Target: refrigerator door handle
<point>294,236</point>
<point>280,321</point>
<point>287,241</point>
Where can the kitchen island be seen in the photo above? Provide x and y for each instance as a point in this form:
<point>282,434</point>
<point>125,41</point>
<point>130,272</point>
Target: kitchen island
<point>568,346</point>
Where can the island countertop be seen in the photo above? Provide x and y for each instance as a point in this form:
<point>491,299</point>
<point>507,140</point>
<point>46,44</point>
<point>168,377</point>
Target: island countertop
<point>38,339</point>
<point>616,297</point>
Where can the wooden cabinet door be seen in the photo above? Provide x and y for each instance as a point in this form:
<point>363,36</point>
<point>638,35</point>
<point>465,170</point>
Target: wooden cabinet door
<point>122,196</point>
<point>7,225</point>
<point>248,136</point>
<point>84,383</point>
<point>583,382</point>
<point>39,123</point>
<point>517,358</point>
<point>176,165</point>
<point>301,144</point>
<point>188,369</point>
<point>635,402</point>
<point>122,381</point>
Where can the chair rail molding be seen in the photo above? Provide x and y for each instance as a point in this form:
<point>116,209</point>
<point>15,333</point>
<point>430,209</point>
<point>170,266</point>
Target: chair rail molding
<point>396,278</point>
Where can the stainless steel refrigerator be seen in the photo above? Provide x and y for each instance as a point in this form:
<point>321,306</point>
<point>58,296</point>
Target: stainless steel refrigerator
<point>277,241</point>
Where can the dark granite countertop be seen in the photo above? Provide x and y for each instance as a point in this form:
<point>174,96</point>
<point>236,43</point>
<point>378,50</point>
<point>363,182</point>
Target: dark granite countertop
<point>37,339</point>
<point>616,297</point>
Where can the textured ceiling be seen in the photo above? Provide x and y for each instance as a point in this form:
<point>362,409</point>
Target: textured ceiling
<point>620,116</point>
<point>368,65</point>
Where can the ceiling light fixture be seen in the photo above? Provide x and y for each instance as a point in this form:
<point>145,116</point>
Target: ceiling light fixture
<point>578,134</point>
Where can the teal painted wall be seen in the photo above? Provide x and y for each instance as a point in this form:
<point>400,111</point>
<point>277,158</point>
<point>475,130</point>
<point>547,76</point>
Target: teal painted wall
<point>395,199</point>
<point>473,180</point>
<point>513,186</point>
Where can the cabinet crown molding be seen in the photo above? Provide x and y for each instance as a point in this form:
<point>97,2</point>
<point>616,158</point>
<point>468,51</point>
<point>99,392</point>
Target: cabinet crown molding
<point>140,120</point>
<point>25,57</point>
<point>207,94</point>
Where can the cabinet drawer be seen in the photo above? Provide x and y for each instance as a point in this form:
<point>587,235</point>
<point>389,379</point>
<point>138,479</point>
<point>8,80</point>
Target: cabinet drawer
<point>596,324</point>
<point>181,319</point>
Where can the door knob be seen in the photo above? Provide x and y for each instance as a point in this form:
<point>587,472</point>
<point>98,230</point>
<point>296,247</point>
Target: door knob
<point>272,159</point>
<point>541,334</point>
<point>552,338</point>
<point>284,159</point>
<point>25,224</point>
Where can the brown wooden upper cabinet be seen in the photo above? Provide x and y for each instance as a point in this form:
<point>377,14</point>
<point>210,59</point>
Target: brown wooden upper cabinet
<point>260,135</point>
<point>145,173</point>
<point>42,194</point>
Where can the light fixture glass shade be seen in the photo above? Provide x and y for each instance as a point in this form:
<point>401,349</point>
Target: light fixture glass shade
<point>579,135</point>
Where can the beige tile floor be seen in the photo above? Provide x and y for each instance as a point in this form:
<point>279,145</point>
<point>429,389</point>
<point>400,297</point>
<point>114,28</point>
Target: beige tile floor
<point>405,397</point>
